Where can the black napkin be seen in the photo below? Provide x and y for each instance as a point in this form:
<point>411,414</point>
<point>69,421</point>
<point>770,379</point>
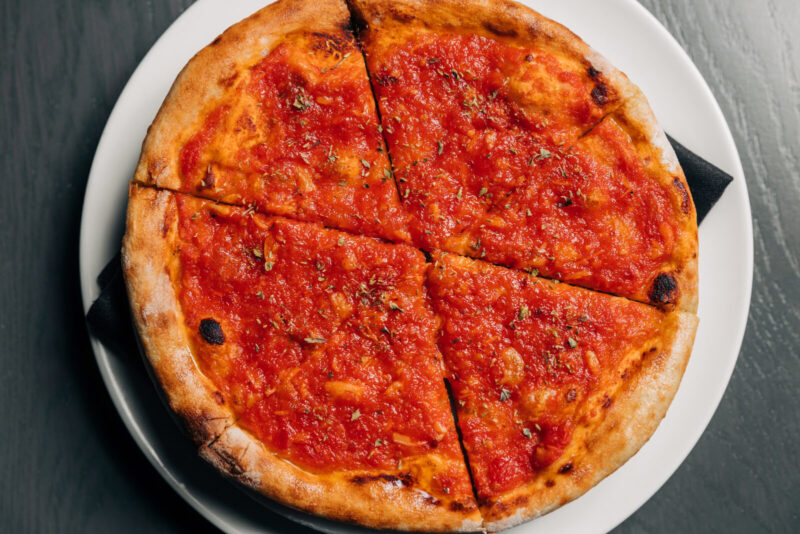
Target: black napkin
<point>706,182</point>
<point>109,317</point>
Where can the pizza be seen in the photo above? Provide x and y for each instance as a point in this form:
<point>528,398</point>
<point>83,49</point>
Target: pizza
<point>412,265</point>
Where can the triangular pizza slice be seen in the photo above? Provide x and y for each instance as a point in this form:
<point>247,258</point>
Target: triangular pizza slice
<point>278,113</point>
<point>556,386</point>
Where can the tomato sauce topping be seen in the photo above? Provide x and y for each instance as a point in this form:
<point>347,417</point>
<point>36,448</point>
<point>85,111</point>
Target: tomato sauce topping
<point>322,342</point>
<point>592,217</point>
<point>523,354</point>
<point>492,162</point>
<point>297,134</point>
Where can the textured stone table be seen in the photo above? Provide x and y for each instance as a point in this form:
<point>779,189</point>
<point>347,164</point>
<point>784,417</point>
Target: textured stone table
<point>68,465</point>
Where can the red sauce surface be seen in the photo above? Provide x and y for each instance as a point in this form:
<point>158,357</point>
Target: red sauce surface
<point>329,355</point>
<point>297,134</point>
<point>522,354</point>
<point>596,221</point>
<point>482,175</point>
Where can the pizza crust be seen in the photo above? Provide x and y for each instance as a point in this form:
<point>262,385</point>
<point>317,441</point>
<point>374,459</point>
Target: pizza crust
<point>388,22</point>
<point>381,501</point>
<point>150,267</point>
<point>501,20</point>
<point>375,499</point>
<point>649,384</point>
<point>205,80</point>
<point>636,117</point>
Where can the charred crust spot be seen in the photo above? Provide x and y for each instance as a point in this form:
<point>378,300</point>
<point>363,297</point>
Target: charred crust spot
<point>245,123</point>
<point>600,94</point>
<point>211,331</point>
<point>232,464</point>
<point>404,478</point>
<point>457,506</point>
<point>571,394</point>
<point>664,289</point>
<point>347,26</point>
<point>550,483</point>
<point>216,41</point>
<point>593,72</point>
<point>400,16</point>
<point>520,501</point>
<point>219,398</point>
<point>564,469</point>
<point>648,352</point>
<point>607,402</point>
<point>228,81</point>
<point>326,41</point>
<point>433,501</point>
<point>529,58</point>
<point>686,200</point>
<point>499,30</point>
<point>356,23</point>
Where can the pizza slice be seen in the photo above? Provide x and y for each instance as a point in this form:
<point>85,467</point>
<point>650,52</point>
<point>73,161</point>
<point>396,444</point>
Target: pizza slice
<point>278,113</point>
<point>514,142</point>
<point>303,360</point>
<point>556,386</point>
<point>607,212</point>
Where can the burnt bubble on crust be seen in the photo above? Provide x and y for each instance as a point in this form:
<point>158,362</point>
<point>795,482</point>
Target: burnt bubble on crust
<point>212,332</point>
<point>664,289</point>
<point>498,29</point>
<point>600,94</point>
<point>685,200</point>
<point>593,72</point>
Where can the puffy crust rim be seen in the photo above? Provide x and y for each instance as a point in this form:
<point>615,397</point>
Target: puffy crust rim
<point>151,274</point>
<point>380,501</point>
<point>636,411</point>
<point>198,87</point>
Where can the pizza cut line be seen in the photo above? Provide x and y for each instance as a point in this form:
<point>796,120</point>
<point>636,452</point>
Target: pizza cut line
<point>412,265</point>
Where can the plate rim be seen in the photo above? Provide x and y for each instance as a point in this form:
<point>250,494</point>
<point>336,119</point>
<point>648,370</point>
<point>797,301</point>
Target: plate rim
<point>89,290</point>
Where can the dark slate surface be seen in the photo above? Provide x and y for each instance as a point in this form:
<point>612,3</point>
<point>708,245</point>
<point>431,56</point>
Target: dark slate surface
<point>68,465</point>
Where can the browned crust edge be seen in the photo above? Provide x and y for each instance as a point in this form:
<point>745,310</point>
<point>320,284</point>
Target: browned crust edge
<point>640,406</point>
<point>203,80</point>
<point>151,270</point>
<point>636,117</point>
<point>597,451</point>
<point>516,24</point>
<point>503,20</point>
<point>382,501</point>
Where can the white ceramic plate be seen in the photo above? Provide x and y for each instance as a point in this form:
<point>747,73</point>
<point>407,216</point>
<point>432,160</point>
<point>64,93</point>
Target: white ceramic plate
<point>634,41</point>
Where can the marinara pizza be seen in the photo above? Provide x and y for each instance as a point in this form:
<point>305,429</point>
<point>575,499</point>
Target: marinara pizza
<point>416,265</point>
